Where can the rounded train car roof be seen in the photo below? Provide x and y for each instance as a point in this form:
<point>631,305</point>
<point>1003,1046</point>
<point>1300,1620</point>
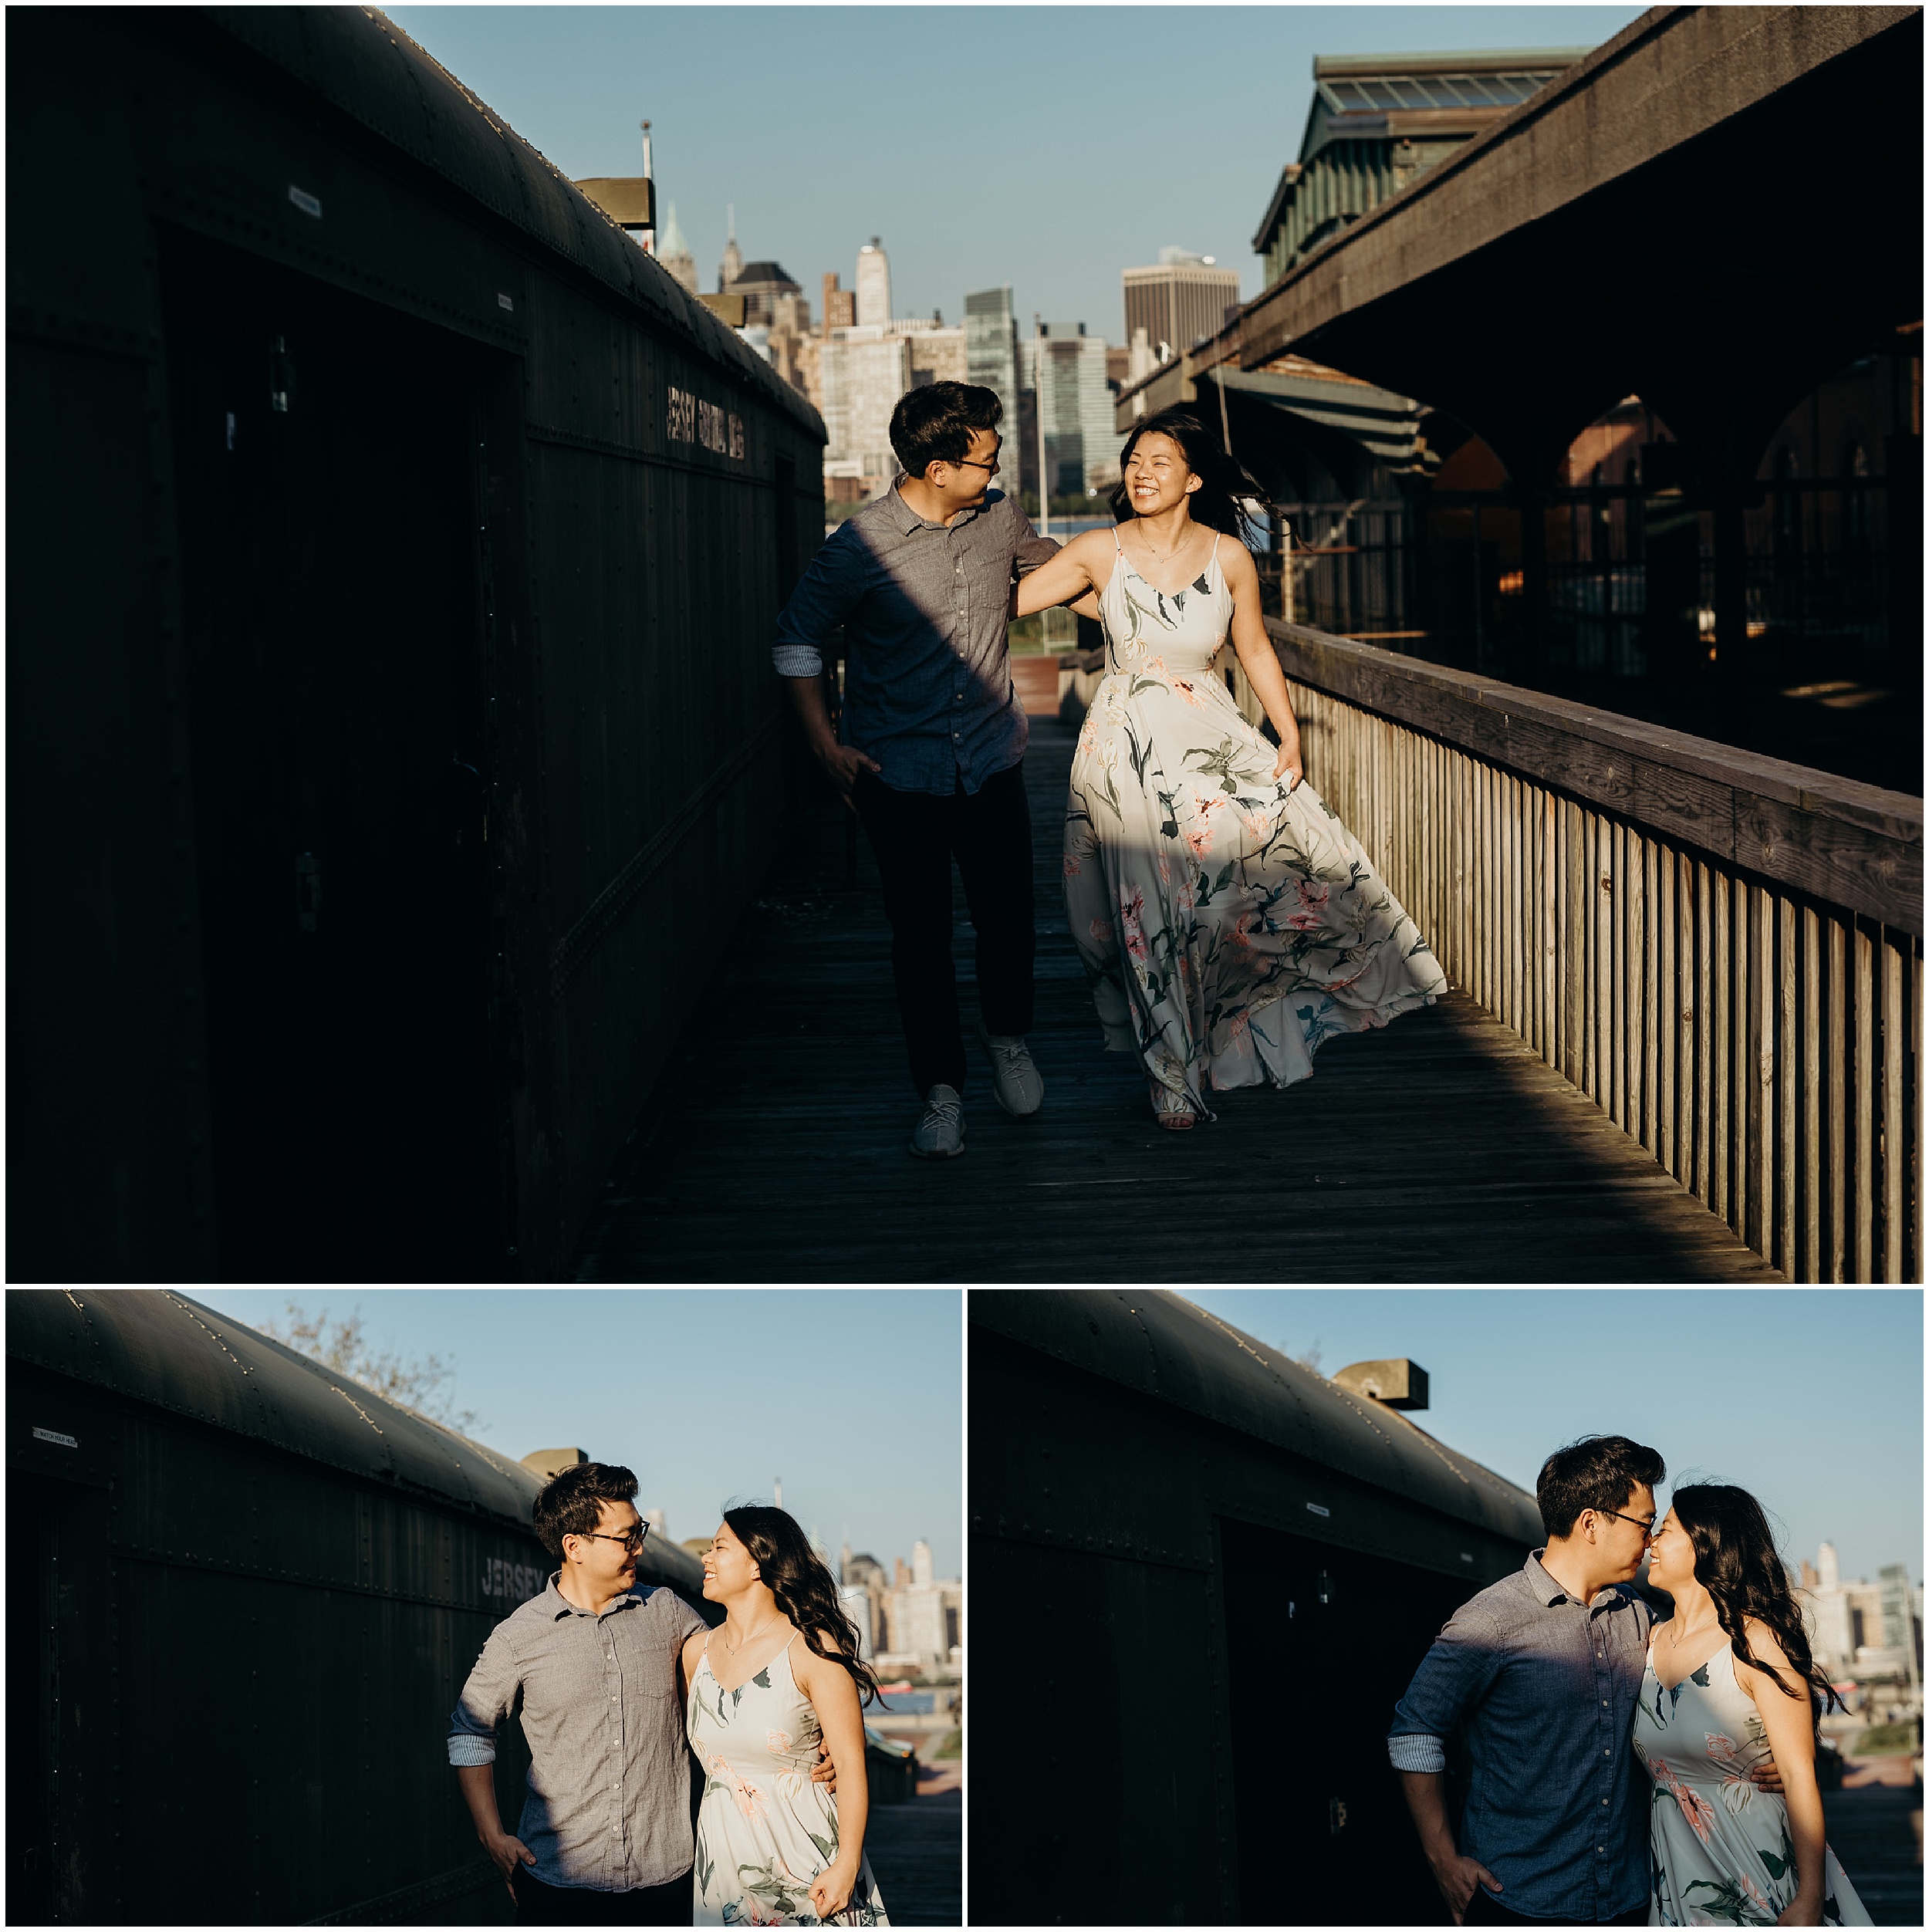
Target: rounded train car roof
<point>361,62</point>
<point>1164,1347</point>
<point>162,1348</point>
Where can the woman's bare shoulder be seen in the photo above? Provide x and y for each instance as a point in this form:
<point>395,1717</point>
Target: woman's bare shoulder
<point>1236,561</point>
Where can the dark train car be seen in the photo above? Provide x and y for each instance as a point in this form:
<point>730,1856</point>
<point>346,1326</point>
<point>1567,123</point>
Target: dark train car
<point>245,1593</point>
<point>1216,1573</point>
<point>395,554</point>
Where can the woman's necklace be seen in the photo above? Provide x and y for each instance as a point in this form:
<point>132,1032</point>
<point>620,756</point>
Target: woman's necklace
<point>1674,1642</point>
<point>1165,556</point>
<point>770,1624</point>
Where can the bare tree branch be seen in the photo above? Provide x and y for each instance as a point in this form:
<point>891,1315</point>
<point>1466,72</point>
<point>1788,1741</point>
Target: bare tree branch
<point>421,1383</point>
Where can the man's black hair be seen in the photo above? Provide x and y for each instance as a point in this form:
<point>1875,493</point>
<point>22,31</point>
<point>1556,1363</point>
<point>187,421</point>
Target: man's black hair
<point>934,425</point>
<point>1597,1472</point>
<point>571,1502</point>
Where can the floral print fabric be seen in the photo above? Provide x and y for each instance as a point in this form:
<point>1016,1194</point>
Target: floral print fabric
<point>1719,1848</point>
<point>1227,927</point>
<point>764,1830</point>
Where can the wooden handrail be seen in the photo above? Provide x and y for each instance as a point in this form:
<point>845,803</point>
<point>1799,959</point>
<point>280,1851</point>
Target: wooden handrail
<point>1723,952</point>
<point>1852,845</point>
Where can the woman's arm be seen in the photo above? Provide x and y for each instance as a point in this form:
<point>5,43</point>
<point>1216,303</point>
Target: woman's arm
<point>1789,1725</point>
<point>1058,580</point>
<point>834,1693</point>
<point>1260,661</point>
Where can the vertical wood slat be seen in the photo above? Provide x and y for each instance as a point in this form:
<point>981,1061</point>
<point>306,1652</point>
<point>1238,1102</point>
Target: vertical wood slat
<point>1549,929</point>
<point>1862,1088</point>
<point>1836,1153</point>
<point>1758,1076</point>
<point>1667,1014</point>
<point>1709,1127</point>
<point>1890,1266</point>
<point>1810,1210</point>
<point>1652,913</point>
<point>1787,1083</point>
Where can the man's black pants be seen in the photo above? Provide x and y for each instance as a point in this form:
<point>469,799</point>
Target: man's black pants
<point>539,1904</point>
<point>1483,1909</point>
<point>916,835</point>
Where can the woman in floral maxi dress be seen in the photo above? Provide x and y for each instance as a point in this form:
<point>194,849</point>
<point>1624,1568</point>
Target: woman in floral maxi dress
<point>781,1675</point>
<point>1730,1681</point>
<point>1227,921</point>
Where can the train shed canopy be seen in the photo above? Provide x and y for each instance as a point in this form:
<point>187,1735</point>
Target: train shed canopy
<point>1171,1350</point>
<point>158,1347</point>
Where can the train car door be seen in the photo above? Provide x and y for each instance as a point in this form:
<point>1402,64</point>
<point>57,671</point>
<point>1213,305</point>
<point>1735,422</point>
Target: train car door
<point>323,463</point>
<point>1321,1642</point>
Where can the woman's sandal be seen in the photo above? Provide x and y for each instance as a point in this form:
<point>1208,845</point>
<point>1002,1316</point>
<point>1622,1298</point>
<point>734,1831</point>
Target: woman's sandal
<point>1172,1111</point>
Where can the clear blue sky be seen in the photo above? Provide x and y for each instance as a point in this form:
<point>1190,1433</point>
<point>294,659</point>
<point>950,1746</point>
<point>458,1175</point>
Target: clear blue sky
<point>852,1396</point>
<point>1811,1398</point>
<point>1046,147</point>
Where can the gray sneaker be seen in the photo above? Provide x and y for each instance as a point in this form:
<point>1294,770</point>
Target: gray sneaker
<point>1017,1084</point>
<point>940,1132</point>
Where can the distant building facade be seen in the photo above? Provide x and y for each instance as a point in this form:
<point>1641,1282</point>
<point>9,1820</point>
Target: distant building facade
<point>674,252</point>
<point>840,304</point>
<point>864,371</point>
<point>1378,122</point>
<point>990,360</point>
<point>938,354</point>
<point>1181,301</point>
<point>923,1616</point>
<point>1860,1629</point>
<point>763,284</point>
<point>1074,405</point>
<point>732,265</point>
<point>874,285</point>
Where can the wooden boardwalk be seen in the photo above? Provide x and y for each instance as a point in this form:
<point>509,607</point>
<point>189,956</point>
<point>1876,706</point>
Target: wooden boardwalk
<point>773,1149</point>
<point>916,1854</point>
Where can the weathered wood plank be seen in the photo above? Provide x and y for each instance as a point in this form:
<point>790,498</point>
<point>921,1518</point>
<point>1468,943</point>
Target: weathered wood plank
<point>1440,1149</point>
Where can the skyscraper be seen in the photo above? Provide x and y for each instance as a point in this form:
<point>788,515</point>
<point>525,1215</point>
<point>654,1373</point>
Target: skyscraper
<point>733,260</point>
<point>990,360</point>
<point>1185,298</point>
<point>840,306</point>
<point>674,252</point>
<point>1074,404</point>
<point>874,285</point>
<point>864,372</point>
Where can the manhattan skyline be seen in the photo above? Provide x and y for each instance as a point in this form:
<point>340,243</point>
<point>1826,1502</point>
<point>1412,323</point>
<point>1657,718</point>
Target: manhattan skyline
<point>988,145</point>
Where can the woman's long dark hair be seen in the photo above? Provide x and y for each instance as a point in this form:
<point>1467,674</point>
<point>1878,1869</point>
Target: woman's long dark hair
<point>805,1591</point>
<point>1224,484</point>
<point>1736,1562</point>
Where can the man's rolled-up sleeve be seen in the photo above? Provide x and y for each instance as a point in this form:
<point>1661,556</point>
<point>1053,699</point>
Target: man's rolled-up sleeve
<point>487,1699</point>
<point>1453,1677</point>
<point>825,596</point>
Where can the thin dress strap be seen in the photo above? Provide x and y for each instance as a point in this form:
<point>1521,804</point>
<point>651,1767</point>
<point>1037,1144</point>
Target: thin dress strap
<point>1116,544</point>
<point>1214,558</point>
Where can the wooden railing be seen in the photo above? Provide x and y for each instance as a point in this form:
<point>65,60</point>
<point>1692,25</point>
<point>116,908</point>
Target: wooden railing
<point>1724,951</point>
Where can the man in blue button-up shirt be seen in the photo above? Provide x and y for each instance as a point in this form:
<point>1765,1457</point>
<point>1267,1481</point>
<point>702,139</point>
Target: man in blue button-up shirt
<point>1540,1674</point>
<point>920,581</point>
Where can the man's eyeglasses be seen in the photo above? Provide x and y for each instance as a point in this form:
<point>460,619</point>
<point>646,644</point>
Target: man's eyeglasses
<point>633,1541</point>
<point>1645,1525</point>
<point>972,463</point>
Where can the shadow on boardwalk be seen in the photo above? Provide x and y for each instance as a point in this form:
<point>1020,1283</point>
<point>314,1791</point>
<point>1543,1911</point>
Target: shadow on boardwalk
<point>1440,1149</point>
